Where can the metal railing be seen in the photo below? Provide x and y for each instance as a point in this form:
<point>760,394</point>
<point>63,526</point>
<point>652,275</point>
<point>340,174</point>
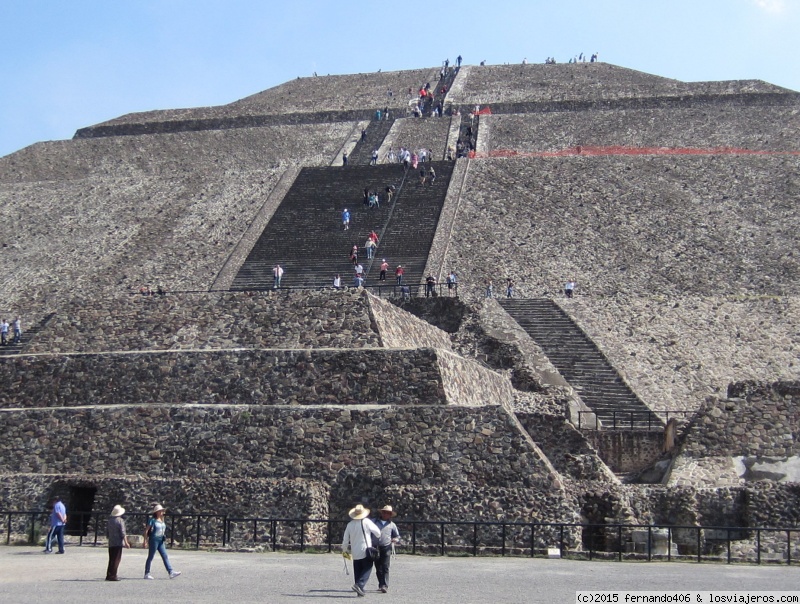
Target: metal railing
<point>618,542</point>
<point>387,289</point>
<point>630,420</point>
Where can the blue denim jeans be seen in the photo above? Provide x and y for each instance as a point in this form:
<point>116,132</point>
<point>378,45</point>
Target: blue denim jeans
<point>361,571</point>
<point>58,532</point>
<point>157,545</point>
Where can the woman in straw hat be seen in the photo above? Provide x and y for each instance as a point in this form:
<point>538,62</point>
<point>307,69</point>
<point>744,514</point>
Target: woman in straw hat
<point>117,539</point>
<point>389,536</point>
<point>357,538</point>
<point>154,537</point>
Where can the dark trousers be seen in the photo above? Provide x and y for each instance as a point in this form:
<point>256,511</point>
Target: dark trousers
<point>382,565</point>
<point>361,571</point>
<point>114,558</point>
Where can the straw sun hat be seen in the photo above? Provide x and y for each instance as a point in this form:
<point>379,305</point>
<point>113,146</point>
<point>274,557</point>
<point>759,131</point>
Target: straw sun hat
<point>388,508</point>
<point>117,511</point>
<point>358,512</point>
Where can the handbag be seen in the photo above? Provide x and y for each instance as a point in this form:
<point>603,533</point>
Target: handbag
<point>372,552</point>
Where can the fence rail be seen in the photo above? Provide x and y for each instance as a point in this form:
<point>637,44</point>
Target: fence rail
<point>630,420</point>
<point>383,289</point>
<point>472,538</point>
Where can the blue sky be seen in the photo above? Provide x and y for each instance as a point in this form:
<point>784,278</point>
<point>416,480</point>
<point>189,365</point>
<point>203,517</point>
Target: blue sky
<point>66,65</point>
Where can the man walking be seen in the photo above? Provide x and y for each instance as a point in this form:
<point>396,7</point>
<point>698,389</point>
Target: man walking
<point>58,518</point>
<point>277,273</point>
<point>117,539</point>
<point>386,542</point>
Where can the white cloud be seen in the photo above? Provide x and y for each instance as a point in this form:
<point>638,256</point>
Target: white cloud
<point>771,6</point>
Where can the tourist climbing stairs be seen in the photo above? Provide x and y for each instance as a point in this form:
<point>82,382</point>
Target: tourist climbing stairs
<point>28,334</point>
<point>305,235</point>
<point>409,234</point>
<point>374,135</point>
<point>583,365</point>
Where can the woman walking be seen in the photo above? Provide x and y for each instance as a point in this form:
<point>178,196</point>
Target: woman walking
<point>357,539</point>
<point>154,537</point>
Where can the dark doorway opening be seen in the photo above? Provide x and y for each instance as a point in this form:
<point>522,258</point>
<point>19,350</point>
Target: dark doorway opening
<point>79,510</point>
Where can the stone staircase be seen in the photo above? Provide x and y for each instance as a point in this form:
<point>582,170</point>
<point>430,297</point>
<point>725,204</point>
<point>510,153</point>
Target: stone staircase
<point>305,235</point>
<point>583,365</point>
<point>27,336</point>
<point>375,133</point>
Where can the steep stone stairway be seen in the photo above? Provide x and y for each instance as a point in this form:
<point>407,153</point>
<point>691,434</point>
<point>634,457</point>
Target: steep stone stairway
<point>582,364</point>
<point>409,233</point>
<point>375,133</point>
<point>27,336</point>
<point>305,235</point>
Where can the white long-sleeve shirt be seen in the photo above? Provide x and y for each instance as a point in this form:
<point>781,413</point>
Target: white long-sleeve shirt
<point>353,540</point>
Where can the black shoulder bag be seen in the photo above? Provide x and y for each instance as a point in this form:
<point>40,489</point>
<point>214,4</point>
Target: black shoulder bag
<point>372,552</point>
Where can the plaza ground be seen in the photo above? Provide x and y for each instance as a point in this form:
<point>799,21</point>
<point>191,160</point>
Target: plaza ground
<point>28,575</point>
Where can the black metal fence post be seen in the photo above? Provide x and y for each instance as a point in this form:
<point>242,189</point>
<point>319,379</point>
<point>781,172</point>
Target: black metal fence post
<point>474,538</point>
<point>33,526</point>
<point>414,537</point>
<point>197,539</point>
<point>669,543</point>
<point>302,535</point>
<point>758,545</point>
<point>728,540</point>
<point>503,537</point>
<point>699,546</point>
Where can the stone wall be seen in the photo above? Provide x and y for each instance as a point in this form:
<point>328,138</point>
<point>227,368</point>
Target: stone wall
<point>627,451</point>
<point>676,351</point>
<point>400,329</point>
<point>260,377</point>
<point>757,423</point>
<point>469,384</point>
<point>338,93</point>
<point>569,450</point>
<point>305,319</point>
<point>642,226</point>
<point>424,445</point>
<point>105,216</point>
<point>418,133</point>
<point>280,498</point>
<point>754,128</point>
<point>582,82</point>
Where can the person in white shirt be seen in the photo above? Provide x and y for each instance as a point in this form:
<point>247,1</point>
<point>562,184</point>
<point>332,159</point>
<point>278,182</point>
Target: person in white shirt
<point>357,538</point>
<point>277,273</point>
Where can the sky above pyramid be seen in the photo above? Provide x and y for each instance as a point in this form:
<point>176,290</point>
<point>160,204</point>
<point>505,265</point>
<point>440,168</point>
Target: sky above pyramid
<point>64,66</point>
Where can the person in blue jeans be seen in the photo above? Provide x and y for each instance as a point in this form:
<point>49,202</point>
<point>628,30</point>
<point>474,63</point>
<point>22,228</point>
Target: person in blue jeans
<point>58,518</point>
<point>155,537</point>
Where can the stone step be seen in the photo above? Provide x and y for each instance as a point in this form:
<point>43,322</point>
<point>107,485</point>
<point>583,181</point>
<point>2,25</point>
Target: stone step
<point>306,237</point>
<point>581,363</point>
